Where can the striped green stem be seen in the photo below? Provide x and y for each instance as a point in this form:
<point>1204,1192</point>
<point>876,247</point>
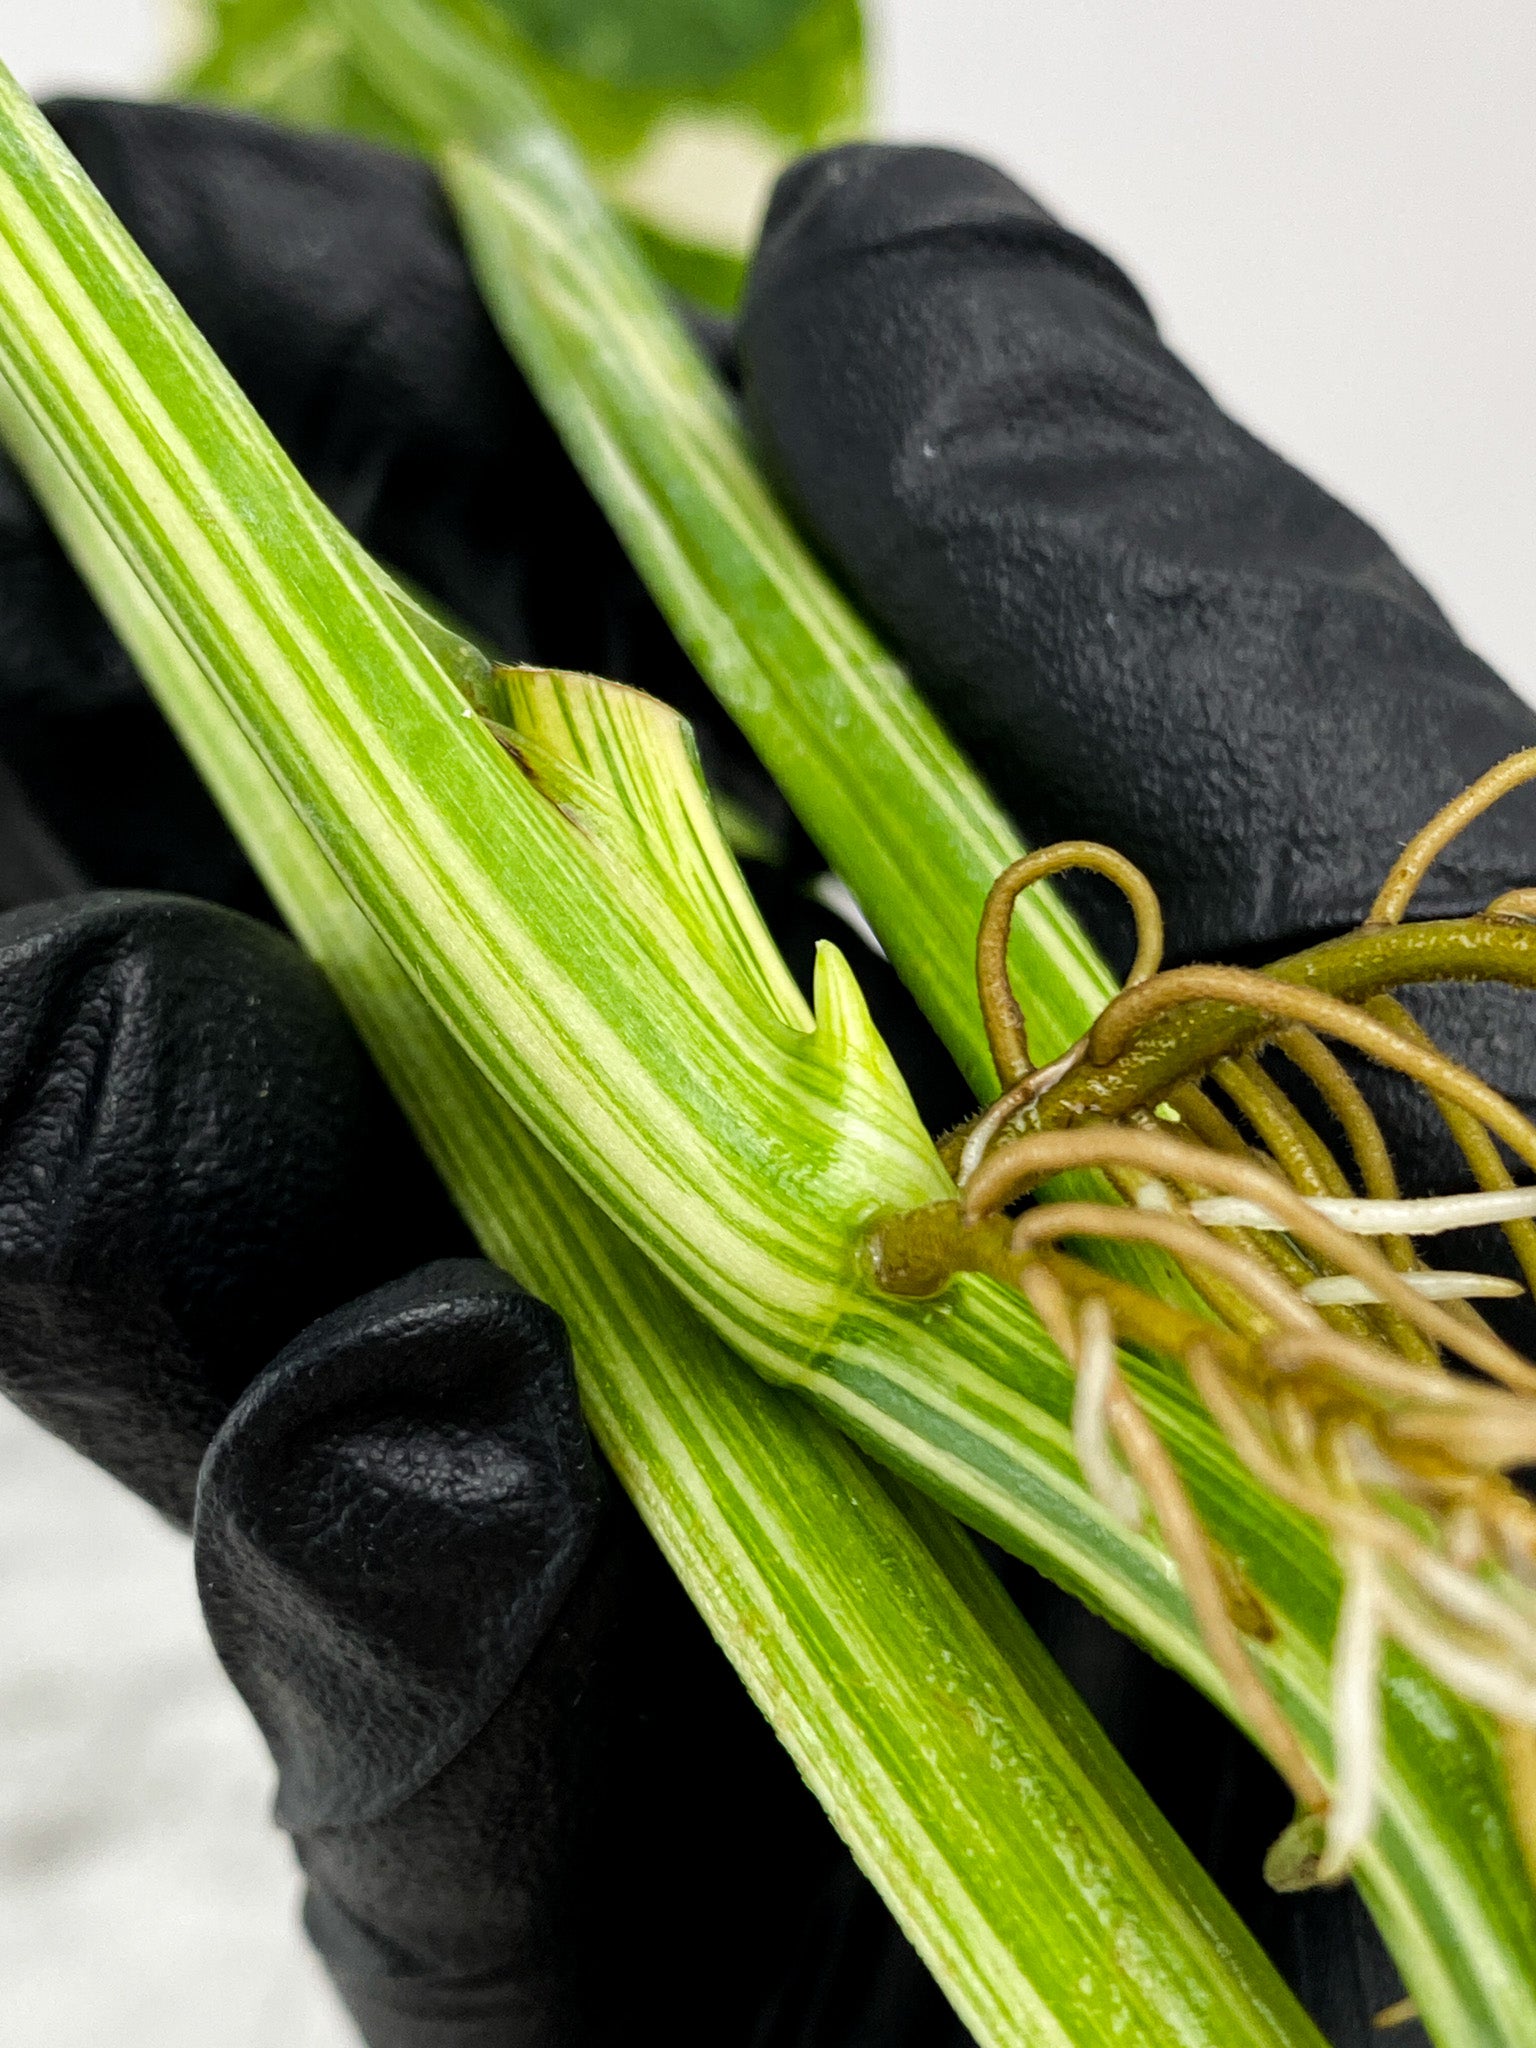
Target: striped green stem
<point>626,1008</point>
<point>964,1774</point>
<point>894,807</point>
<point>906,823</point>
<point>1052,1902</point>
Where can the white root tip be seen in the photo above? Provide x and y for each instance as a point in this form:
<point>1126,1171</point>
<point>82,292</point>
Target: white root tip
<point>1107,1479</point>
<point>1424,1217</point>
<point>1485,1679</point>
<point>1343,1290</point>
<point>1356,1716</point>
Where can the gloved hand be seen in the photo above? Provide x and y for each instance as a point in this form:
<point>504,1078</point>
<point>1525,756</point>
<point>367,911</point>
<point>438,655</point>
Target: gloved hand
<point>1149,630</point>
<point>1143,625</point>
<point>532,1801</point>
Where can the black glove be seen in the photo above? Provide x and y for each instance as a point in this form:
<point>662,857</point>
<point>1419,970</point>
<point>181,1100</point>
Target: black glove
<point>1148,630</point>
<point>527,1791</point>
<point>531,1798</point>
<point>1145,626</point>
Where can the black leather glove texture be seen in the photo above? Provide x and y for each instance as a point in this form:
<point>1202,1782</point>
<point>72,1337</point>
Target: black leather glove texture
<point>1144,625</point>
<point>196,1160</point>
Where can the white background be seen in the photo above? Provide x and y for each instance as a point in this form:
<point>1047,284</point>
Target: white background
<point>1331,204</point>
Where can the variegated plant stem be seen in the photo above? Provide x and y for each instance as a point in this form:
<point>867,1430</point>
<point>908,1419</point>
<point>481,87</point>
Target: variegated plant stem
<point>964,1774</point>
<point>1054,1905</point>
<point>631,1012</point>
<point>896,810</point>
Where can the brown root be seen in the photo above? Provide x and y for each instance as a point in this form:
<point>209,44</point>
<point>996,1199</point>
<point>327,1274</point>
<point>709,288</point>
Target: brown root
<point>1346,1413</point>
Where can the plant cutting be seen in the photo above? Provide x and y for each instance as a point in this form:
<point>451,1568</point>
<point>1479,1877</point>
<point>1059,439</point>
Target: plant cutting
<point>695,1453</point>
<point>1329,1420</point>
<point>564,289</point>
<point>669,1103</point>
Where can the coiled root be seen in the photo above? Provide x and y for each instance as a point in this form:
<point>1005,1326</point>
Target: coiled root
<point>1319,1342</point>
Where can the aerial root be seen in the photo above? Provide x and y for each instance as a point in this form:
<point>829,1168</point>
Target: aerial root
<point>1323,1365</point>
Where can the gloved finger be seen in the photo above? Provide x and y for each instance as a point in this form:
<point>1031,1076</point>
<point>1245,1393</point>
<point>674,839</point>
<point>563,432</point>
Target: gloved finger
<point>92,756</point>
<point>530,1796</point>
<point>387,1522</point>
<point>327,276</point>
<point>195,1160</point>
<point>404,1558</point>
<point>1143,625</point>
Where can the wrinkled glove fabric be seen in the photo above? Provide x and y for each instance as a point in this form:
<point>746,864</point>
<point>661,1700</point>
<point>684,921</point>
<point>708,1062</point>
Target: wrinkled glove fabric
<point>1145,626</point>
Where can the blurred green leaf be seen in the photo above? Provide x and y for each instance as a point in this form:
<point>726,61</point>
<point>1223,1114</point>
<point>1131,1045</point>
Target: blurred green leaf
<point>673,102</point>
<point>613,69</point>
<point>235,29</point>
<point>289,60</point>
<point>656,42</point>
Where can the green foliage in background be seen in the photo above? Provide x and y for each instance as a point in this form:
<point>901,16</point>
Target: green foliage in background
<point>780,76</point>
<point>668,44</point>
